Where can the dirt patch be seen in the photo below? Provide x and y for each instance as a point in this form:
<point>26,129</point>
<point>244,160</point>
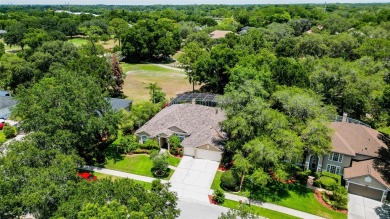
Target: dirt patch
<point>318,196</point>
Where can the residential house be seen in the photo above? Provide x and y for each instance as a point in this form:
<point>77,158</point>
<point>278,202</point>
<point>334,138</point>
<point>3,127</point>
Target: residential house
<point>197,126</point>
<point>117,104</point>
<point>356,148</point>
<point>218,34</point>
<point>6,103</point>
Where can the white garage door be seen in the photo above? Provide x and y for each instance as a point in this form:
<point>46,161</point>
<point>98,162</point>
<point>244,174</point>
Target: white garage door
<point>208,155</point>
<point>189,151</point>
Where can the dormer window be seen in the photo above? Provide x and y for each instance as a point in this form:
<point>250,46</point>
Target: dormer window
<point>335,157</point>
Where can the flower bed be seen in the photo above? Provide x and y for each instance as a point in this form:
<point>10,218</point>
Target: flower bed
<point>319,196</point>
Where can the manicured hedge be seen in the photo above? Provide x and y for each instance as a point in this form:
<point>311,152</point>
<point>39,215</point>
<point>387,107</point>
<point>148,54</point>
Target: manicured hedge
<point>336,177</point>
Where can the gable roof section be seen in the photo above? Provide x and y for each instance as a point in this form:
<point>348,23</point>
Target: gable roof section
<point>6,102</point>
<point>364,168</point>
<point>200,123</point>
<point>352,139</point>
<point>117,104</point>
<point>217,34</point>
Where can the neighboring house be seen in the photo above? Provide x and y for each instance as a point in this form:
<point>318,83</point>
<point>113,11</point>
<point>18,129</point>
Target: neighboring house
<point>356,147</point>
<point>4,93</point>
<point>6,103</point>
<point>197,126</point>
<point>218,34</point>
<point>117,104</point>
<point>244,30</point>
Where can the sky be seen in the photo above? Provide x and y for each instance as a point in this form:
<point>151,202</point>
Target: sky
<point>181,2</point>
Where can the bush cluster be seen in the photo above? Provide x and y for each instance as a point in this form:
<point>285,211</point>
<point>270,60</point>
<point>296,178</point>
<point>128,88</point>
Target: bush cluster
<point>219,196</point>
<point>9,131</point>
<point>230,181</point>
<point>327,181</point>
<point>150,144</point>
<point>339,198</point>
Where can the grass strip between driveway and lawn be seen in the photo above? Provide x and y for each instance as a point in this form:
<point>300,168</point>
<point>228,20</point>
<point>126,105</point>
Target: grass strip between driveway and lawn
<point>2,137</point>
<point>173,161</point>
<point>259,210</point>
<point>296,197</point>
<point>146,185</point>
<point>139,164</point>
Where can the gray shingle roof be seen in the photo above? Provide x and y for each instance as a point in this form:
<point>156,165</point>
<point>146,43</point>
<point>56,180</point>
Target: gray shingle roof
<point>7,102</point>
<point>4,93</point>
<point>200,124</point>
<point>117,104</point>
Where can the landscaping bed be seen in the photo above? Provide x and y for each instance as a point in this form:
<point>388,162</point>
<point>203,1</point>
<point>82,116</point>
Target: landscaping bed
<point>319,196</point>
<point>294,196</point>
<point>259,211</point>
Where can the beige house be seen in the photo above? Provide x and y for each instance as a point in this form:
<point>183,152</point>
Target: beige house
<point>355,154</point>
<point>218,34</point>
<point>197,126</point>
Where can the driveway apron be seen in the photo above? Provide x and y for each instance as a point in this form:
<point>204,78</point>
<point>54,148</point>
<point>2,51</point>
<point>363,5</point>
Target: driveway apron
<point>364,208</point>
<point>193,178</point>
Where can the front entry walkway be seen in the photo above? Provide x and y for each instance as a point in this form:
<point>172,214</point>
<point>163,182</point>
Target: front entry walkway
<point>193,178</point>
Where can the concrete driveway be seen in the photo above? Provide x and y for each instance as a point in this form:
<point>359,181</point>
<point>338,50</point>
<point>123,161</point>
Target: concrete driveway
<point>193,178</point>
<point>365,208</point>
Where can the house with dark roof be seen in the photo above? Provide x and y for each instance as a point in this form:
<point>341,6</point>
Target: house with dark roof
<point>356,148</point>
<point>117,104</point>
<point>197,126</point>
<point>6,104</point>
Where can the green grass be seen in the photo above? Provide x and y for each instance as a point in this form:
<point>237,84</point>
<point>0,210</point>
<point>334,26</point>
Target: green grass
<point>146,185</point>
<point>105,176</point>
<point>78,41</point>
<point>173,161</point>
<point>139,76</point>
<point>295,196</point>
<point>139,164</point>
<point>259,210</point>
<point>2,137</point>
<point>143,67</point>
<point>14,47</point>
<point>217,181</point>
<point>385,130</point>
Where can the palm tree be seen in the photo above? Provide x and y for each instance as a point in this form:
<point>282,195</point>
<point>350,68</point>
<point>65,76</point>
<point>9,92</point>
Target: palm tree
<point>152,89</point>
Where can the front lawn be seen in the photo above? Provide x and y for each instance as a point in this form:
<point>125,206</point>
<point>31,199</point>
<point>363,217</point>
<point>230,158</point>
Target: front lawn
<point>217,181</point>
<point>293,196</point>
<point>385,130</point>
<point>2,137</point>
<point>173,161</point>
<point>146,185</point>
<point>139,164</point>
<point>259,210</point>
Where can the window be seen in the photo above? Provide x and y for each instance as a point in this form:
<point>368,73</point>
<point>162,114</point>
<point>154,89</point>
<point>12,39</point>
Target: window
<point>335,157</point>
<point>333,169</point>
<point>144,138</point>
<point>181,137</point>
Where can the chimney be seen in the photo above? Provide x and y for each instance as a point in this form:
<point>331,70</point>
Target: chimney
<point>345,117</point>
<point>193,101</point>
